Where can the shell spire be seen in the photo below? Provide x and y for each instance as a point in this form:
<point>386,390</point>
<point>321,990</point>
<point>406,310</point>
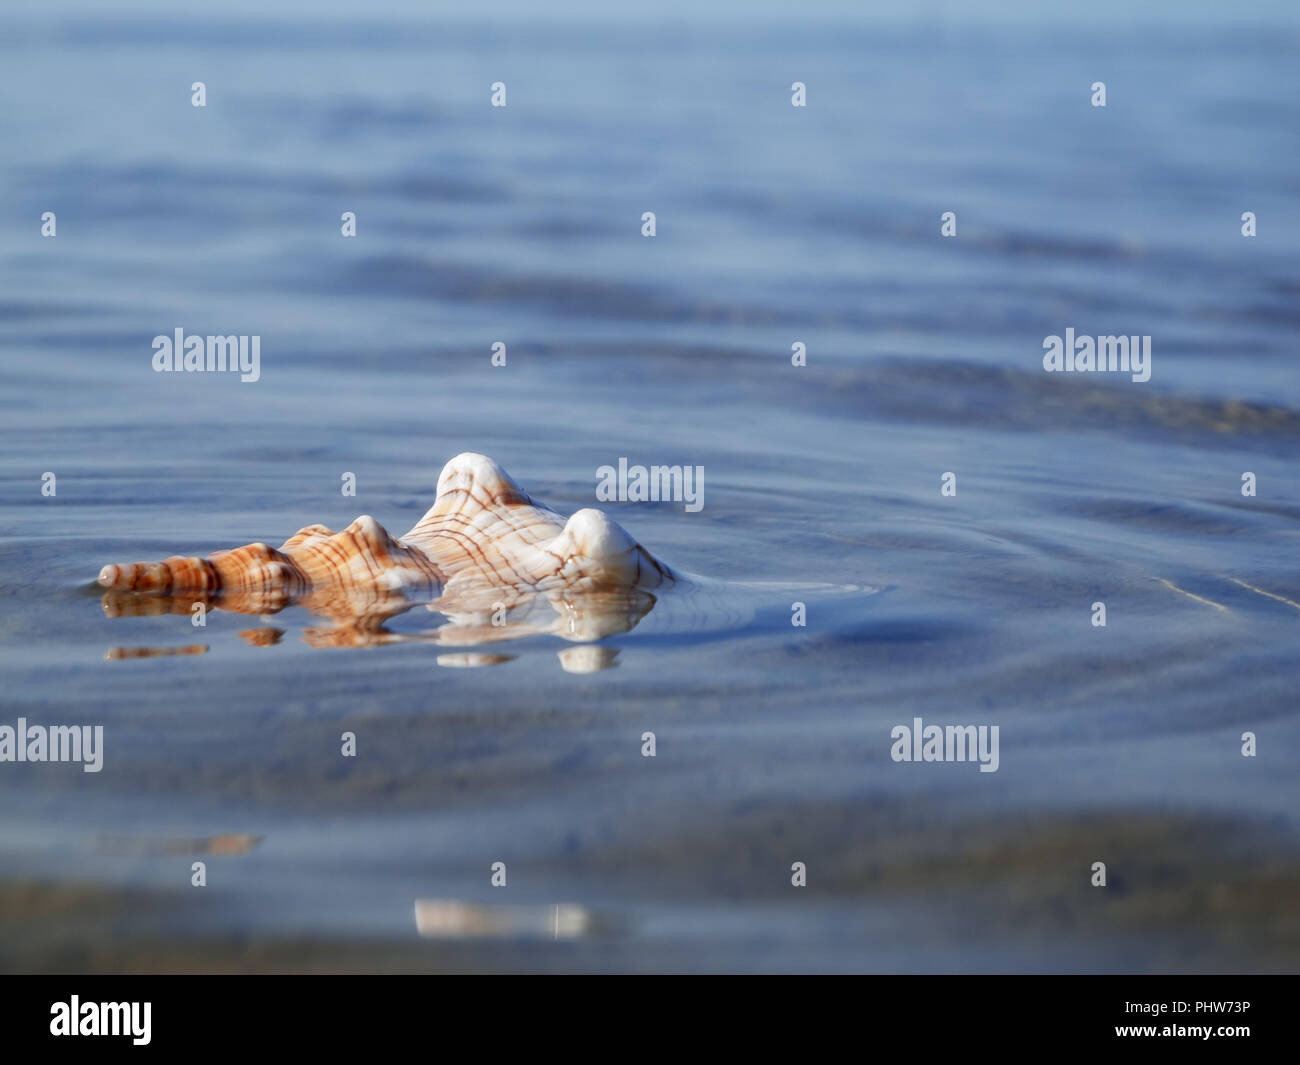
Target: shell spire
<point>363,553</point>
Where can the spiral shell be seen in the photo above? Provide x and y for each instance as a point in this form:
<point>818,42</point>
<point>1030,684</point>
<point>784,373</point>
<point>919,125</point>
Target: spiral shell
<point>497,563</point>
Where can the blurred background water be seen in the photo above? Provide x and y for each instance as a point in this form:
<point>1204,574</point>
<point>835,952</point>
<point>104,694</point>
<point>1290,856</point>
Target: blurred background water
<point>775,225</point>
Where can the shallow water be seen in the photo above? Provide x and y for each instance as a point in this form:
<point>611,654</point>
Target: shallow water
<point>1119,744</point>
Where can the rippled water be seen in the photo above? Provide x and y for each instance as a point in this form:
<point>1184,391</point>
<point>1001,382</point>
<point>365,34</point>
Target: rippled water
<point>775,225</point>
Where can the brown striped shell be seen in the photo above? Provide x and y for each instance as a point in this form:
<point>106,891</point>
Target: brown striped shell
<point>498,564</point>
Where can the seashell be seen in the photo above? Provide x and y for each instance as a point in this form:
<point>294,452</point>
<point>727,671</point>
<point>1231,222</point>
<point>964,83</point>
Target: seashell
<point>232,844</point>
<point>496,563</point>
<point>471,660</point>
<point>458,919</point>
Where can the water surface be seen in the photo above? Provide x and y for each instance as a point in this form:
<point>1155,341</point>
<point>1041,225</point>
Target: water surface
<point>775,225</point>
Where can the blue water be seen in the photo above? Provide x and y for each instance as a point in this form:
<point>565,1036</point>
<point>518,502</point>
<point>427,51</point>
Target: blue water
<point>775,225</point>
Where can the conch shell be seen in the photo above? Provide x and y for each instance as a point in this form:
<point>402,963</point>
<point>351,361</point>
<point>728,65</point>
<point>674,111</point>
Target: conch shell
<point>496,562</point>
